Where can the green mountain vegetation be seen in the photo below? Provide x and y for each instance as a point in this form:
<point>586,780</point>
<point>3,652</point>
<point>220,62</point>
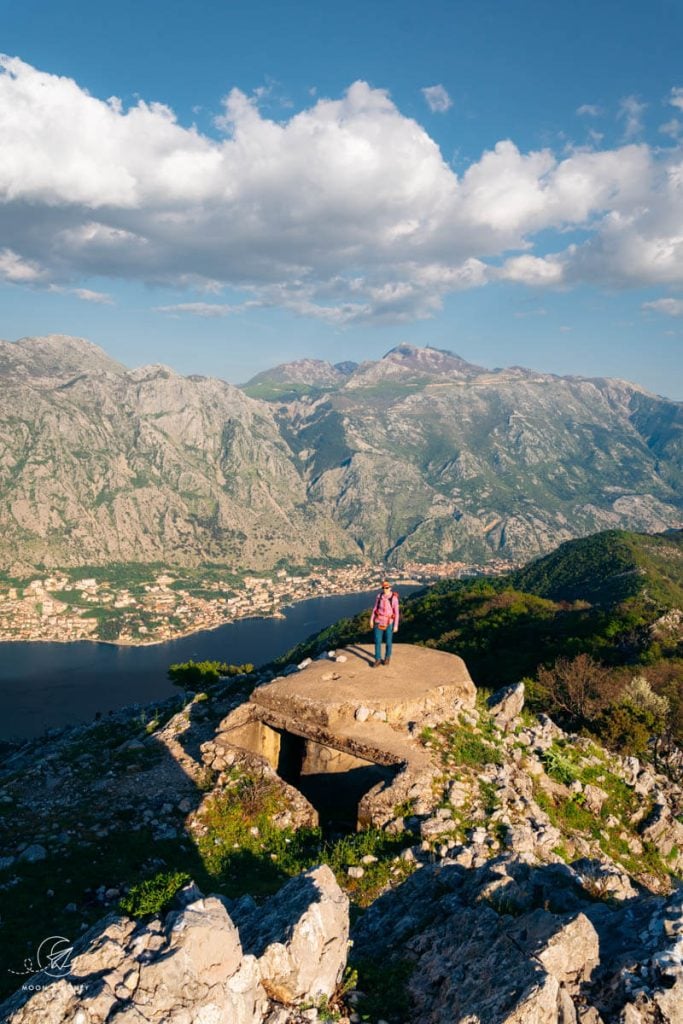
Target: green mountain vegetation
<point>592,616</point>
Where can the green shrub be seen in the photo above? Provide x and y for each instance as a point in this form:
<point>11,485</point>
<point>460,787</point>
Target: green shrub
<point>197,675</point>
<point>153,894</point>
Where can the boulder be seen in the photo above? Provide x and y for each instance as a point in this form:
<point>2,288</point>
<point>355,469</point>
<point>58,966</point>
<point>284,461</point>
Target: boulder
<point>506,704</point>
<point>300,937</point>
<point>33,853</point>
<point>569,949</point>
<point>191,965</point>
<point>594,798</point>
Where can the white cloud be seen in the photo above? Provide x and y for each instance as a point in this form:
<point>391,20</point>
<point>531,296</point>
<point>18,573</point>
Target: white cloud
<point>206,309</point>
<point>345,211</point>
<point>631,112</point>
<point>16,270</point>
<point>90,296</point>
<point>676,97</point>
<point>532,270</point>
<point>589,110</point>
<point>672,128</point>
<point>437,99</point>
<point>670,307</point>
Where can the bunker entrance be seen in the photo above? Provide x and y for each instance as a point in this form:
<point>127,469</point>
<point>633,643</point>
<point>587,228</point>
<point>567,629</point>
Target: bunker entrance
<point>333,781</point>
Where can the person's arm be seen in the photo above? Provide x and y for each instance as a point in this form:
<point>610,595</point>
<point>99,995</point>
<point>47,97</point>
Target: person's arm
<point>396,612</point>
<point>372,614</point>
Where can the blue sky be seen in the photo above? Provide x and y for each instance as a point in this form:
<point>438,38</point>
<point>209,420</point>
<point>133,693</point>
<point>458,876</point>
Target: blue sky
<point>273,181</point>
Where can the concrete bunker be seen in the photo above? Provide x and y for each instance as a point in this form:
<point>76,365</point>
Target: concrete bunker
<point>347,739</point>
<point>333,780</point>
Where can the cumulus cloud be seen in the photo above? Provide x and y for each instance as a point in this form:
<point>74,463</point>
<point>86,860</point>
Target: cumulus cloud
<point>16,270</point>
<point>345,212</point>
<point>437,99</point>
<point>532,270</point>
<point>670,307</point>
<point>589,110</point>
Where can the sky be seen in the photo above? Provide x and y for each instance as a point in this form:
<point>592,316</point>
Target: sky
<point>222,186</point>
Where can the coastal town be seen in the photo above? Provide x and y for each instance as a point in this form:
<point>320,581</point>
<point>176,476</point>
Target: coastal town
<point>64,606</point>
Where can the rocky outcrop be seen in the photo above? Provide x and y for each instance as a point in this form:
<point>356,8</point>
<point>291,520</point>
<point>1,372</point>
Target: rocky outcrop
<point>528,879</point>
<point>506,704</point>
<point>195,965</point>
<point>550,955</point>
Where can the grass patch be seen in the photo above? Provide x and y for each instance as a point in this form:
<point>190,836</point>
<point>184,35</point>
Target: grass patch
<point>459,744</point>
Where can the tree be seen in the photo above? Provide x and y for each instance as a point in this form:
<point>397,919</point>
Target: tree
<point>576,688</point>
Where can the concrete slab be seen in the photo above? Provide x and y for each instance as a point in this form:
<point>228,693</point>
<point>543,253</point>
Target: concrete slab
<point>419,683</point>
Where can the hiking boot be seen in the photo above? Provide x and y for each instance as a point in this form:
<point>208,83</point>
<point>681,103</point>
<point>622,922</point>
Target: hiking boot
<point>375,664</point>
<point>386,661</point>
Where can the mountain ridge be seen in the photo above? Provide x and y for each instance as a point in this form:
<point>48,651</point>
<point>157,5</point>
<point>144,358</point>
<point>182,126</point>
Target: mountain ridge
<point>419,456</point>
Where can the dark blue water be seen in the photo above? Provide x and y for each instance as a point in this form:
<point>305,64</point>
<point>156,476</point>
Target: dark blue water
<point>43,685</point>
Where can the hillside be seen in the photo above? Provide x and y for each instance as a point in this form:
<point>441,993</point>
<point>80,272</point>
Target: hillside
<point>508,871</point>
<point>609,568</point>
<point>418,456</point>
<point>614,598</point>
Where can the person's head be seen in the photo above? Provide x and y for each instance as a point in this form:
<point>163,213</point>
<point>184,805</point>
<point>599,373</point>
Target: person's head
<point>386,586</point>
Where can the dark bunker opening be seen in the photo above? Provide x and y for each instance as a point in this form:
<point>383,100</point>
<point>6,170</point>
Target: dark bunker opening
<point>332,780</point>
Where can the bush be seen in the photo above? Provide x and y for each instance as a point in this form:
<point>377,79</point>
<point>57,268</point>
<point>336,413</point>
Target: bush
<point>152,895</point>
<point>197,675</point>
<point>639,716</point>
<point>576,689</point>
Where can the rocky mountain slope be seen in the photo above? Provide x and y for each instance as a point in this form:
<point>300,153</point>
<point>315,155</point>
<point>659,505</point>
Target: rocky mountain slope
<point>419,455</point>
<point>512,867</point>
<point>100,464</point>
<point>533,878</point>
<point>422,455</point>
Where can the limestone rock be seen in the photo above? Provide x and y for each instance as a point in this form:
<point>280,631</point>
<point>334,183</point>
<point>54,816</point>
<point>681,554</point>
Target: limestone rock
<point>190,966</point>
<point>300,937</point>
<point>32,854</point>
<point>568,949</point>
<point>506,704</point>
<point>594,798</point>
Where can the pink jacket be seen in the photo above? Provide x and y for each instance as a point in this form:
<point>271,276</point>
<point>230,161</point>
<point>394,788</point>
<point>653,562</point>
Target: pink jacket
<point>385,610</point>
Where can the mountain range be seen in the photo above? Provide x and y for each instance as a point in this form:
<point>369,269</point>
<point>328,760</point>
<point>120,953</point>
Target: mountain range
<point>417,456</point>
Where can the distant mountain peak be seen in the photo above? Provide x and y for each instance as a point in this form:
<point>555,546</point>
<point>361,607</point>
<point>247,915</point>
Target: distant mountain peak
<point>56,355</point>
<point>430,359</point>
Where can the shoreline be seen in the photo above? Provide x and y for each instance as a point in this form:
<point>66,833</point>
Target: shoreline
<point>279,614</point>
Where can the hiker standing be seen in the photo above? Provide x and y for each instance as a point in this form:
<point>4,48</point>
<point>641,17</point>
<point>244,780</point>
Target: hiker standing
<point>384,620</point>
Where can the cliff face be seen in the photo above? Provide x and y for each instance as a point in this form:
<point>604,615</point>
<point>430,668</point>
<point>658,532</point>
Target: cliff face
<point>100,464</point>
<point>417,456</point>
<point>422,455</point>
